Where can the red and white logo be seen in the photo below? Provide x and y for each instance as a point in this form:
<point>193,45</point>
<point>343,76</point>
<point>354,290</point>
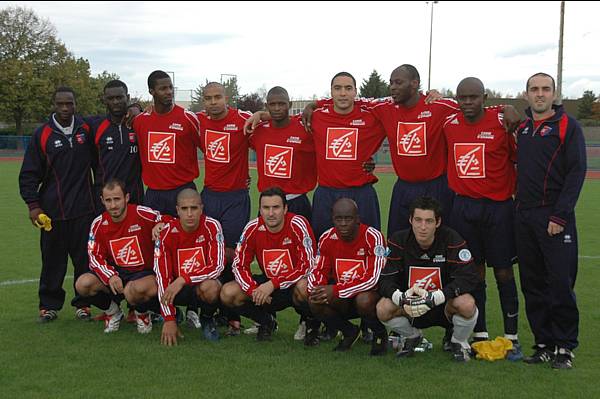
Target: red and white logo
<point>411,139</point>
<point>470,160</point>
<point>191,260</point>
<point>428,278</point>
<point>278,161</point>
<point>348,270</point>
<point>276,262</point>
<point>217,146</point>
<point>161,147</point>
<point>126,252</point>
<point>342,144</point>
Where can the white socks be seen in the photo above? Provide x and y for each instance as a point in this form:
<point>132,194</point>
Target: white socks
<point>463,328</point>
<point>402,327</point>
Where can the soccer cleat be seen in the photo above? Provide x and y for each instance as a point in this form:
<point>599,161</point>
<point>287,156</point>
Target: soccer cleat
<point>367,335</point>
<point>47,315</point>
<point>252,330</point>
<point>410,344</point>
<point>300,332</point>
<point>193,320</point>
<point>515,354</point>
<point>541,355</point>
<point>328,333</point>
<point>446,340</point>
<point>143,322</point>
<point>265,331</point>
<point>234,328</point>
<point>379,345</point>
<point>209,329</point>
<point>348,340</point>
<point>563,359</point>
<point>460,354</point>
<point>112,322</point>
<point>83,313</point>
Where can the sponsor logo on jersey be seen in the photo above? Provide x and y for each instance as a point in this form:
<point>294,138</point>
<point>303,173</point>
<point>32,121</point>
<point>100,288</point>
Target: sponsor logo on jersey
<point>361,252</point>
<point>485,136</point>
<point>80,138</point>
<point>358,122</point>
<point>342,144</point>
<point>546,130</point>
<point>161,147</point>
<point>278,161</point>
<point>276,262</point>
<point>58,144</point>
<point>176,126</point>
<point>428,278</point>
<point>217,146</point>
<point>200,239</point>
<point>231,127</point>
<point>131,137</point>
<point>411,139</point>
<point>470,160</point>
<point>126,251</point>
<point>439,259</point>
<point>348,270</point>
<point>109,140</point>
<point>134,227</point>
<point>287,241</point>
<point>424,114</point>
<point>191,260</point>
<point>294,140</point>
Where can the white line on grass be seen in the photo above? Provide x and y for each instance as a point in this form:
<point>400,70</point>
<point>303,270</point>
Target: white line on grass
<point>27,281</point>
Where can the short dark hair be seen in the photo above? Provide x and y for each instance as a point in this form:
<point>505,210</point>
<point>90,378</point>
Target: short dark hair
<point>277,90</point>
<point>154,76</point>
<point>427,204</point>
<point>348,74</point>
<point>189,193</point>
<point>544,74</point>
<point>115,83</point>
<point>63,89</point>
<point>114,182</point>
<point>272,192</point>
<point>412,72</point>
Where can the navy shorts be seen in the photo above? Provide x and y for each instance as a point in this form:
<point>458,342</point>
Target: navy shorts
<point>231,209</point>
<point>435,317</point>
<point>404,193</point>
<point>300,206</point>
<point>280,299</point>
<point>324,198</point>
<point>488,228</point>
<point>165,201</point>
<point>187,297</point>
<point>128,276</point>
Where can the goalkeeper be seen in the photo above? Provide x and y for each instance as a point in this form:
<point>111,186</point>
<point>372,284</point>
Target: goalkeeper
<point>427,282</point>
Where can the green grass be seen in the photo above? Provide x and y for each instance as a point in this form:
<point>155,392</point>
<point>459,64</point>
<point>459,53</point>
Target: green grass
<point>71,359</point>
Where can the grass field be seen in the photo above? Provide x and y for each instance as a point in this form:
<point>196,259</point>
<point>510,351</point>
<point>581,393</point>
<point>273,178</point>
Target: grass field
<point>72,359</point>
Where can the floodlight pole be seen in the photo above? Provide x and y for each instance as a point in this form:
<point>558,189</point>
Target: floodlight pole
<point>430,44</point>
<point>560,55</point>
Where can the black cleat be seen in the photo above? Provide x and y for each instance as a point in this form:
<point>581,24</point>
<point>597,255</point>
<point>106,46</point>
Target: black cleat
<point>379,345</point>
<point>563,360</point>
<point>541,355</point>
<point>408,349</point>
<point>460,354</point>
<point>47,315</point>
<point>348,340</point>
<point>265,331</point>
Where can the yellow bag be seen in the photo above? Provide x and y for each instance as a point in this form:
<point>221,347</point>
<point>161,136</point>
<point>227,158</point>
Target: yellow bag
<point>492,350</point>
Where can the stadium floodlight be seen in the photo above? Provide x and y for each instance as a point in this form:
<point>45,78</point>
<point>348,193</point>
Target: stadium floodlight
<point>430,42</point>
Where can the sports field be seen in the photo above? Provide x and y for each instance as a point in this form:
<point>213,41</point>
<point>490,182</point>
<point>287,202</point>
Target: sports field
<point>74,359</point>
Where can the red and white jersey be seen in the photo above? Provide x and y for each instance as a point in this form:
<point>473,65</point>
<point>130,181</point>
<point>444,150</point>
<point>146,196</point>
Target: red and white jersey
<point>168,145</point>
<point>195,256</point>
<point>126,244</point>
<point>225,148</point>
<point>343,143</point>
<point>354,266</point>
<point>285,157</point>
<point>417,145</point>
<point>481,157</point>
<point>283,257</point>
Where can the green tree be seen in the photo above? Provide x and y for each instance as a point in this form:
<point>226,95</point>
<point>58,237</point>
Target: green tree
<point>232,92</point>
<point>374,87</point>
<point>585,109</point>
<point>251,102</point>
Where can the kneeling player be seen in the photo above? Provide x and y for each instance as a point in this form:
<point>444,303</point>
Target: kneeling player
<point>189,258</point>
<point>428,266</point>
<point>120,248</point>
<point>342,284</point>
<point>283,244</point>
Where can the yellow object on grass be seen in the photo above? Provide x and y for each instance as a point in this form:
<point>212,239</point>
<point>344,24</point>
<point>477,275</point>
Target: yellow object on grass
<point>44,222</point>
<point>492,350</point>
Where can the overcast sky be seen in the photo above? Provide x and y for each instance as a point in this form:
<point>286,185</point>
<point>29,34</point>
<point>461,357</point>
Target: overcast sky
<point>301,45</point>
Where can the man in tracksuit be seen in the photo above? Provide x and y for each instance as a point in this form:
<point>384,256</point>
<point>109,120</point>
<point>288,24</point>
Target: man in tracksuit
<point>551,170</point>
<point>56,180</point>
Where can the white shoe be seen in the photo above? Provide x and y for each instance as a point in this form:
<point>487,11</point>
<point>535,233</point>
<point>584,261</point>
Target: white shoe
<point>112,322</point>
<point>300,332</point>
<point>143,322</point>
<point>252,330</point>
<point>193,320</point>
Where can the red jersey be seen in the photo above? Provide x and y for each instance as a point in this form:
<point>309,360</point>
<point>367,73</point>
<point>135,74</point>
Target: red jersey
<point>283,257</point>
<point>285,157</point>
<point>225,148</point>
<point>481,157</point>
<point>417,145</point>
<point>354,266</point>
<point>168,145</point>
<point>126,244</point>
<point>195,256</point>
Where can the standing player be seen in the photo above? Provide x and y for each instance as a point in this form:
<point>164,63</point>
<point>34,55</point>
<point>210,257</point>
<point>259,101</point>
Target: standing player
<point>283,245</point>
<point>56,180</point>
<point>188,260</point>
<point>431,262</point>
<point>552,166</point>
<point>342,284</point>
<point>168,136</point>
<point>225,193</point>
<point>120,248</point>
<point>481,172</point>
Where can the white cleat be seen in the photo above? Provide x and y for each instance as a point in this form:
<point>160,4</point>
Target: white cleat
<point>112,322</point>
<point>143,322</point>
